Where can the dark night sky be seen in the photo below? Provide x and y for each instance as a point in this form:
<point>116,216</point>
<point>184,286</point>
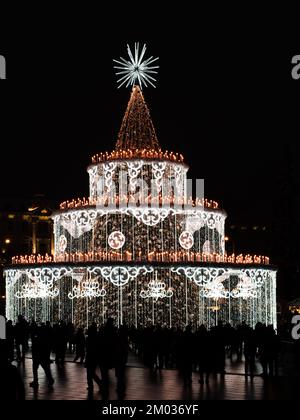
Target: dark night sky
<point>224,98</point>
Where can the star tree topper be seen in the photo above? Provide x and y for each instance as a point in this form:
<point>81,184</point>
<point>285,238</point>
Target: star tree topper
<point>136,71</point>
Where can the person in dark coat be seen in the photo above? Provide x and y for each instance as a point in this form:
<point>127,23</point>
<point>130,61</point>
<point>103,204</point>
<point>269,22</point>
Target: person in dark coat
<point>40,355</point>
<point>11,384</point>
<point>91,361</point>
<point>10,339</point>
<point>21,337</point>
<point>79,341</point>
<point>107,340</point>
<point>121,357</point>
<point>250,349</point>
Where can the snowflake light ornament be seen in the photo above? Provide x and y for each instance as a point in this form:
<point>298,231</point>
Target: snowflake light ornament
<point>135,71</point>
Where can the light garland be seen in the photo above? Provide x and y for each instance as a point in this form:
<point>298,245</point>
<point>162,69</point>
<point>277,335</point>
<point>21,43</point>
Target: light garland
<point>138,154</point>
<point>179,256</point>
<point>81,203</point>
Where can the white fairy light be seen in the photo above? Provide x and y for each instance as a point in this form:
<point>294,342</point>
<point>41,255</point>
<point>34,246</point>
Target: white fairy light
<point>135,71</point>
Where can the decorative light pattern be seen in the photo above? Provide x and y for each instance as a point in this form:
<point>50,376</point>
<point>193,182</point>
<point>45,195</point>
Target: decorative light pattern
<point>186,240</point>
<point>81,221</point>
<point>119,276</point>
<point>37,290</point>
<point>87,289</point>
<point>241,294</point>
<point>116,240</point>
<point>135,70</point>
<point>62,243</point>
<point>156,290</point>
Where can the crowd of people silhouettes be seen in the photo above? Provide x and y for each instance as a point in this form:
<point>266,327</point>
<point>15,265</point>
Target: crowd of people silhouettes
<point>107,347</point>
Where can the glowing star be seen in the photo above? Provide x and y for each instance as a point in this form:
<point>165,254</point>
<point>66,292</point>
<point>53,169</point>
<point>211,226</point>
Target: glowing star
<point>186,240</point>
<point>116,240</point>
<point>135,71</point>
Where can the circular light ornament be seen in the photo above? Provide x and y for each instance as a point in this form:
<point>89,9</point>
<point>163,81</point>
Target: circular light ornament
<point>62,243</point>
<point>119,276</point>
<point>116,240</point>
<point>186,240</point>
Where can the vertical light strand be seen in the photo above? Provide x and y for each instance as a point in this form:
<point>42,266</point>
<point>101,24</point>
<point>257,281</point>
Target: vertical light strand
<point>229,300</point>
<point>133,242</point>
<point>136,302</point>
<point>72,304</point>
<point>121,305</point>
<point>186,302</point>
<point>152,311</point>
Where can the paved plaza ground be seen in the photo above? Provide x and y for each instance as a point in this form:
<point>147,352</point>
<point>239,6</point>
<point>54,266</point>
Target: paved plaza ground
<point>70,384</point>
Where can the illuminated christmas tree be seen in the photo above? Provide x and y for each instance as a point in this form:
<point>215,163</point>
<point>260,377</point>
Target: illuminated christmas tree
<point>139,249</point>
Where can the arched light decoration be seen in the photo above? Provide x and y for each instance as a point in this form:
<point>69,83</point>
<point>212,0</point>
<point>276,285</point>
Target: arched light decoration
<point>186,240</point>
<point>116,240</point>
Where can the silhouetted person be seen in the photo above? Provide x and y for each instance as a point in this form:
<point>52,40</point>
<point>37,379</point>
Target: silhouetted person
<point>10,340</point>
<point>205,354</point>
<point>91,361</point>
<point>121,357</point>
<point>40,355</point>
<point>187,349</point>
<point>272,351</point>
<point>49,337</point>
<point>21,337</point>
<point>11,384</point>
<point>79,341</point>
<point>70,330</point>
<point>60,340</point>
<point>219,344</point>
<point>250,348</point>
<point>107,352</point>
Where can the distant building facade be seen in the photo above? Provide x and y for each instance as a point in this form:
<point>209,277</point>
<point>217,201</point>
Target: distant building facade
<point>26,227</point>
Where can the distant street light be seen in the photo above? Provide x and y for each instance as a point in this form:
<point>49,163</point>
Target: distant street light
<point>227,239</point>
